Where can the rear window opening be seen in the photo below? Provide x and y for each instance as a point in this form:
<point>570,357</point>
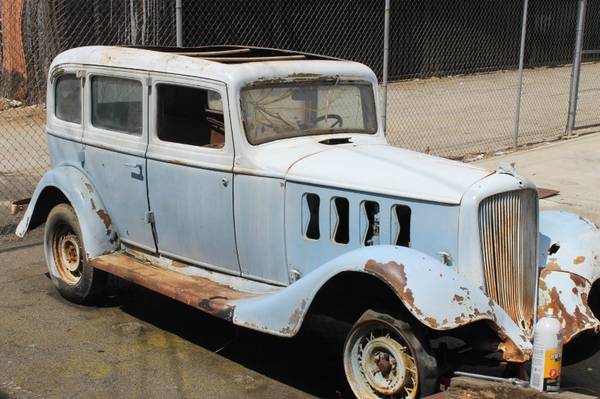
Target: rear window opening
<point>340,229</point>
<point>369,222</point>
<point>401,225</point>
<point>310,216</point>
<point>189,115</point>
<point>67,98</point>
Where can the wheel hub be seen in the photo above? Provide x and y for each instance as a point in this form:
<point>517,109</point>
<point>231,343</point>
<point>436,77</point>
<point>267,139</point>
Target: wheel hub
<point>67,255</point>
<point>386,366</point>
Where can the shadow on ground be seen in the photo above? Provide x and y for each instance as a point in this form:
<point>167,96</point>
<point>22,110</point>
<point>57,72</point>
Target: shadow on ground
<point>310,362</point>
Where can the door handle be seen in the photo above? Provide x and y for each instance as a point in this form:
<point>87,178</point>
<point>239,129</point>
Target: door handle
<point>133,165</point>
<point>136,175</point>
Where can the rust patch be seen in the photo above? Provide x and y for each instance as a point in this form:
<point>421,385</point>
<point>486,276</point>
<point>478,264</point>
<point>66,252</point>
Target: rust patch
<point>550,267</point>
<point>572,324</point>
<point>93,204</point>
<point>511,352</point>
<point>574,290</point>
<point>578,280</point>
<point>542,285</point>
<point>431,321</point>
<point>198,292</point>
<point>89,187</point>
<point>458,298</point>
<point>106,219</point>
<point>295,318</point>
<point>579,260</point>
<point>393,275</point>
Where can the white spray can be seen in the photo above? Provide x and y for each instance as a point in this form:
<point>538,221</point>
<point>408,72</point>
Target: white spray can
<point>547,354</point>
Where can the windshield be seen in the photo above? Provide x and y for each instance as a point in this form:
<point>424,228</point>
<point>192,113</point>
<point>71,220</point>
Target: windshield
<point>274,112</point>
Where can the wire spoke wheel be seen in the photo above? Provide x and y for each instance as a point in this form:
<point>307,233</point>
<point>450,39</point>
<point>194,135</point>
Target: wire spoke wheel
<point>68,257</point>
<point>379,362</point>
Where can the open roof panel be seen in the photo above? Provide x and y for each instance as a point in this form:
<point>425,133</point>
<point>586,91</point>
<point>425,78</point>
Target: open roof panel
<point>237,54</point>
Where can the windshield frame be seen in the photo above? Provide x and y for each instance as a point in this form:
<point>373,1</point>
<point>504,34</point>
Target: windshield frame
<point>316,132</point>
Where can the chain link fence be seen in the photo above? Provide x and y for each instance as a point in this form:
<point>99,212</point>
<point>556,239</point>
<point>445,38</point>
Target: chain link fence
<point>453,65</point>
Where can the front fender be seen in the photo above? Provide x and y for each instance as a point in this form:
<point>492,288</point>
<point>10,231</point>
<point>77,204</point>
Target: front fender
<point>95,224</point>
<point>568,274</point>
<point>435,294</point>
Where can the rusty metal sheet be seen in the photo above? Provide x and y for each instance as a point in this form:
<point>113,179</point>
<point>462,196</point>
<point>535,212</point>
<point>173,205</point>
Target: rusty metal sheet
<point>200,293</point>
<point>565,295</point>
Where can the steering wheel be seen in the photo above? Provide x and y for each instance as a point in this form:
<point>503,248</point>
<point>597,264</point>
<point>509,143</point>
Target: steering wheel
<point>338,119</point>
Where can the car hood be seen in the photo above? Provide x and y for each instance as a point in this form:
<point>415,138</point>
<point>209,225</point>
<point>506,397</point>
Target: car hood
<point>387,170</point>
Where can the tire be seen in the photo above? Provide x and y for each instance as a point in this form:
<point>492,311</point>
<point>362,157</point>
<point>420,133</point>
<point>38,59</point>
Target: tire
<point>387,358</point>
<point>67,260</point>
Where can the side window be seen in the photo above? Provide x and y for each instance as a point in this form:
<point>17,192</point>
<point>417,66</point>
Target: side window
<point>401,225</point>
<point>340,220</point>
<point>188,115</point>
<point>310,216</point>
<point>67,98</point>
<point>369,223</point>
<point>117,104</point>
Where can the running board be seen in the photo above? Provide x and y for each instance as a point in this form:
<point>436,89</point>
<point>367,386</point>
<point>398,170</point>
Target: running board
<point>198,292</point>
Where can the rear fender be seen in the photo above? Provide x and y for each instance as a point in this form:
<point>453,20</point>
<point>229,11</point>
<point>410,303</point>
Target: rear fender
<point>434,293</point>
<point>94,221</point>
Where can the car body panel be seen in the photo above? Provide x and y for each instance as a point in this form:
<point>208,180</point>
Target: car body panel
<point>409,273</point>
<point>414,175</point>
<point>567,275</point>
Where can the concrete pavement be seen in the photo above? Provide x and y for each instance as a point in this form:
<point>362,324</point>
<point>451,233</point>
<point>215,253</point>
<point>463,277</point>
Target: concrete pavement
<point>571,166</point>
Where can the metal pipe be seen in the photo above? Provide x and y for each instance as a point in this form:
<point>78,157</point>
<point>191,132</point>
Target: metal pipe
<point>179,23</point>
<point>514,381</point>
<point>386,58</point>
<point>576,69</point>
<point>520,74</point>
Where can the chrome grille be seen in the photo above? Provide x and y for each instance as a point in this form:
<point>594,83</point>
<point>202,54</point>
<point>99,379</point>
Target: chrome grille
<point>508,226</point>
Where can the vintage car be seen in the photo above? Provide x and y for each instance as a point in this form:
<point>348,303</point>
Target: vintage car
<point>257,185</point>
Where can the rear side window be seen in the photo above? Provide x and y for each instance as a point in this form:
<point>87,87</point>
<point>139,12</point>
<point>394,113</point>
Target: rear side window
<point>117,104</point>
<point>67,98</point>
<point>189,115</point>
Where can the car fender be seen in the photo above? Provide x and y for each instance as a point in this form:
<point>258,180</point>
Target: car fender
<point>95,223</point>
<point>578,240</point>
<point>568,273</point>
<point>412,275</point>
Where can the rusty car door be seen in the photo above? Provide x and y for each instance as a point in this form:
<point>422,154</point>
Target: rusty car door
<point>116,138</point>
<point>190,161</point>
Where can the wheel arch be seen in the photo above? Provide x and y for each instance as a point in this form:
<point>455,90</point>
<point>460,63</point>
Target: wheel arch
<point>68,184</point>
<point>408,273</point>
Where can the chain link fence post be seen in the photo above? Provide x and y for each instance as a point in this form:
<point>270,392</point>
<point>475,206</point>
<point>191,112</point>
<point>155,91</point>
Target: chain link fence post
<point>386,60</point>
<point>179,23</point>
<point>520,73</point>
<point>576,69</point>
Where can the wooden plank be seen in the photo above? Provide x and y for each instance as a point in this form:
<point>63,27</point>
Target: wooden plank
<point>216,52</point>
<point>198,292</point>
<point>255,59</point>
<point>546,192</point>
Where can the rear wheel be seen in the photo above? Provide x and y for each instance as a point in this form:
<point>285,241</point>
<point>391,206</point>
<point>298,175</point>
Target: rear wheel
<point>66,257</point>
<point>384,358</point>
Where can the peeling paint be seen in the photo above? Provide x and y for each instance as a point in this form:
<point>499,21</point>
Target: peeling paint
<point>579,260</point>
<point>106,219</point>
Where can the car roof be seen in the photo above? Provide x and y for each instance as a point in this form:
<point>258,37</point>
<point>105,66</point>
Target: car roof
<point>235,65</point>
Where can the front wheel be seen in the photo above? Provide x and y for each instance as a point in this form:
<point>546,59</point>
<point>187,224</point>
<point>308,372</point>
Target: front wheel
<point>383,358</point>
<point>66,258</point>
